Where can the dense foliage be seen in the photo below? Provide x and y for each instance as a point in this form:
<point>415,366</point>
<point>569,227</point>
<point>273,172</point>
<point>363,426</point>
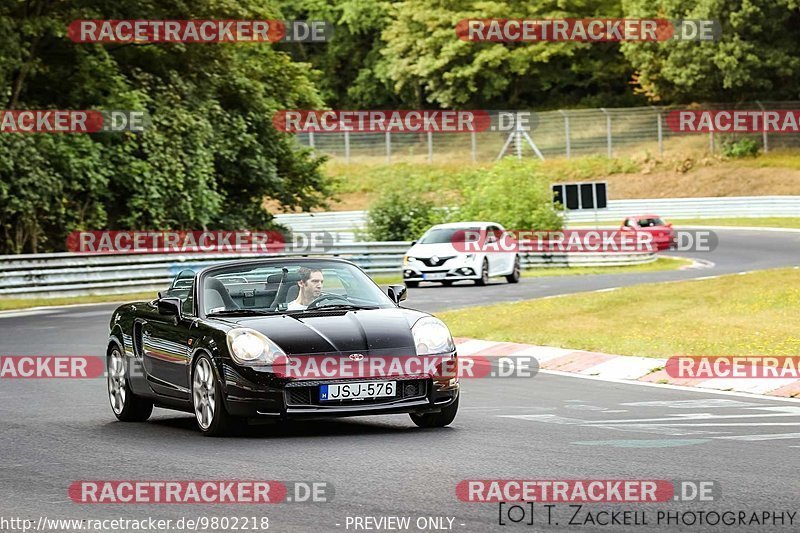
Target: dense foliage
<point>212,156</point>
<point>405,54</point>
<point>401,216</point>
<point>209,160</point>
<point>514,193</point>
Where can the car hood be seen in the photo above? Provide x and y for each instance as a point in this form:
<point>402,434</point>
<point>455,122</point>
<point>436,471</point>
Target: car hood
<point>429,250</point>
<point>369,332</point>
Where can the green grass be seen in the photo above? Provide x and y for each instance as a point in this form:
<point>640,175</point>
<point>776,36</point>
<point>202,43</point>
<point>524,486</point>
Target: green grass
<point>762,222</point>
<point>750,314</point>
<point>24,303</point>
<point>662,263</point>
<point>783,159</point>
<point>766,222</point>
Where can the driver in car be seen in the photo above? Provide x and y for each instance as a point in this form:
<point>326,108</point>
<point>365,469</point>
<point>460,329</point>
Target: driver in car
<point>310,284</point>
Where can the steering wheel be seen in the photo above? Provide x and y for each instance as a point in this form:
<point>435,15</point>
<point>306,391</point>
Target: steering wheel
<point>321,298</point>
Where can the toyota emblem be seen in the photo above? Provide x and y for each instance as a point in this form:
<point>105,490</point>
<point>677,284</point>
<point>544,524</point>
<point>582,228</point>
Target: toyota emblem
<point>356,356</point>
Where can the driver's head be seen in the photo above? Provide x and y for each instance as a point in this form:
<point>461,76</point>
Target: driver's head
<point>310,284</point>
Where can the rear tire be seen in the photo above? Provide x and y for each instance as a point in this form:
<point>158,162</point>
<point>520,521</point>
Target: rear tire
<point>209,407</point>
<point>447,283</point>
<point>515,274</point>
<point>484,279</point>
<point>412,284</point>
<point>126,406</point>
<point>437,420</point>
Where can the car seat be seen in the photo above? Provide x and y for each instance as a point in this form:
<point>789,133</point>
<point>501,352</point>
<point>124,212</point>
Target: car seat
<point>217,297</point>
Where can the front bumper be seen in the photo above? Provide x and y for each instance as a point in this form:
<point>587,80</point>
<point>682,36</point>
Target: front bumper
<point>440,274</point>
<point>270,397</point>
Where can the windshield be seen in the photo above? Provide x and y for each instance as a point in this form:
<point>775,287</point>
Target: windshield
<point>286,287</point>
<point>445,235</point>
<point>650,222</point>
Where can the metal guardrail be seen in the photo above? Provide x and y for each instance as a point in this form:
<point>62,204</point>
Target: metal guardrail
<point>721,207</point>
<point>68,274</point>
<point>347,223</point>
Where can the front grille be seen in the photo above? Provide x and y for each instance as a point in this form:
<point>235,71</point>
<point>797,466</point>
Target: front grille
<point>407,389</point>
<point>442,260</point>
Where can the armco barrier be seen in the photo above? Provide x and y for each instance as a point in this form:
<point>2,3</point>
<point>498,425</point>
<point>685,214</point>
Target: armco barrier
<point>68,274</point>
<point>346,223</point>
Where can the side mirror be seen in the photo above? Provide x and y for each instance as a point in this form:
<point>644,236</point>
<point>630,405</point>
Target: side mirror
<point>397,293</point>
<point>169,306</point>
<point>413,243</point>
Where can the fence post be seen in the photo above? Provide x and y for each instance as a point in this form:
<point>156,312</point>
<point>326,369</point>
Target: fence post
<point>660,131</point>
<point>763,133</point>
<point>566,132</point>
<point>430,147</point>
<point>346,146</point>
<point>517,137</point>
<point>388,146</point>
<point>608,129</point>
<point>474,147</point>
<point>311,140</point>
<point>711,139</point>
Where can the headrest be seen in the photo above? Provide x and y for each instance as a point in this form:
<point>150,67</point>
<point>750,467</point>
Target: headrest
<point>290,277</point>
<point>291,295</point>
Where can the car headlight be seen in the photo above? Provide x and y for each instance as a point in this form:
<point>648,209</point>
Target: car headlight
<point>251,348</point>
<point>431,337</point>
<point>408,259</point>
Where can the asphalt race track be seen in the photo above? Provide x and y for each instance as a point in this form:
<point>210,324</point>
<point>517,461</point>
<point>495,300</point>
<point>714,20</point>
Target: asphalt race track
<point>56,432</point>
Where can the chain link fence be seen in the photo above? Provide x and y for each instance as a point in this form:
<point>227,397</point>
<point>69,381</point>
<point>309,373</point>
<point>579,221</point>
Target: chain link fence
<point>561,133</point>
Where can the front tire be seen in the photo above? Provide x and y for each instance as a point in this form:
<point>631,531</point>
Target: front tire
<point>484,279</point>
<point>209,408</point>
<point>515,274</point>
<point>412,284</point>
<point>126,406</point>
<point>437,420</point>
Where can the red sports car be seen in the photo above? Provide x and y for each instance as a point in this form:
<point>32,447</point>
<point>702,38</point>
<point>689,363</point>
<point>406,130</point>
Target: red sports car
<point>664,236</point>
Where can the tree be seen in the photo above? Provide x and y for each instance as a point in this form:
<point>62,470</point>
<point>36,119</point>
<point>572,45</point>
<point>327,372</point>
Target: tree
<point>350,66</point>
<point>210,156</point>
<point>424,58</point>
<point>756,56</point>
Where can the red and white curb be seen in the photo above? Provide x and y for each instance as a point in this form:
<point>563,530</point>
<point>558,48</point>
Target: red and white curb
<point>615,367</point>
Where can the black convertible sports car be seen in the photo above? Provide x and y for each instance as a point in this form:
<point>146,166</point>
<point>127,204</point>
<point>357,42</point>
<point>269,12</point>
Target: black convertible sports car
<point>218,344</point>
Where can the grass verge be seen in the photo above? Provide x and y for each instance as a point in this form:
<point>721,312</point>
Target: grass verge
<point>766,222</point>
<point>662,263</point>
<point>749,314</point>
<point>24,303</point>
<point>640,175</point>
<point>760,222</point>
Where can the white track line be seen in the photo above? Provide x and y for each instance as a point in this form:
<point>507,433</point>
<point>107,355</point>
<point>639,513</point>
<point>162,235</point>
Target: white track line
<point>674,387</point>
